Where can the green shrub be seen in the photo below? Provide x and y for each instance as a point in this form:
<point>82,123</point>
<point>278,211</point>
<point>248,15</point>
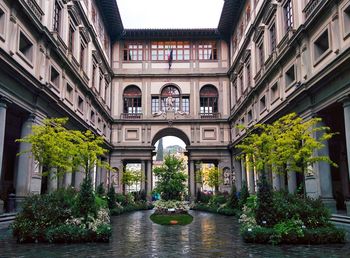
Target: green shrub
<point>67,234</point>
<point>324,235</point>
<point>227,211</point>
<point>103,233</point>
<point>264,213</point>
<point>244,195</point>
<point>100,190</point>
<point>232,201</point>
<point>217,200</point>
<point>42,211</point>
<point>202,197</point>
<point>111,198</point>
<point>121,199</point>
<point>85,205</point>
<point>101,202</point>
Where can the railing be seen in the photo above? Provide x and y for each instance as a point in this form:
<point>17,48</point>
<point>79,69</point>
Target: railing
<point>310,7</point>
<point>210,115</point>
<point>131,116</point>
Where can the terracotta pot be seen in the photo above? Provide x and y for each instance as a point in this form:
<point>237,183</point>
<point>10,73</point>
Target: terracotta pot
<point>173,222</point>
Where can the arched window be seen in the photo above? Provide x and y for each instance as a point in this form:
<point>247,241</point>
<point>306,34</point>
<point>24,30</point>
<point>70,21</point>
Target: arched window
<point>173,93</point>
<point>132,100</point>
<point>208,100</point>
<point>170,99</point>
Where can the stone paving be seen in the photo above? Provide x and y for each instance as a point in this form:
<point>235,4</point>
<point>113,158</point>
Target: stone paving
<point>134,235</point>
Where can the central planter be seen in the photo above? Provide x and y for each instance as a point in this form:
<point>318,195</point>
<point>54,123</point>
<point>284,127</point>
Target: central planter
<point>171,213</point>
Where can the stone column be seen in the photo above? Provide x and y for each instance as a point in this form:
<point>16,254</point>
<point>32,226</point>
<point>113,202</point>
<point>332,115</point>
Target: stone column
<point>276,182</point>
<point>25,163</point>
<point>3,108</point>
<point>67,180</point>
<point>192,181</point>
<point>238,174</point>
<point>325,176</point>
<point>149,179</point>
<point>143,175</point>
<point>52,181</point>
<point>346,106</point>
<point>292,182</point>
<point>244,173</point>
<point>251,183</point>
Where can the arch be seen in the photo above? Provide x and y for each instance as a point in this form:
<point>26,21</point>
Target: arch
<point>208,99</point>
<point>171,131</point>
<point>170,84</point>
<point>132,97</point>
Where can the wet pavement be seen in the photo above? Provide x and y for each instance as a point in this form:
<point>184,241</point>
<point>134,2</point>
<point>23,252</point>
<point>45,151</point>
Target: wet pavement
<point>134,235</point>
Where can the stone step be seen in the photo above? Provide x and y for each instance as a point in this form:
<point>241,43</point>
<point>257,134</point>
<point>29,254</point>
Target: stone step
<point>340,219</point>
<point>6,219</point>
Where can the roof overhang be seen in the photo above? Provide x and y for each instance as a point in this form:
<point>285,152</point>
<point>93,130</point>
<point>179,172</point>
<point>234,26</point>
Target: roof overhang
<point>169,34</point>
<point>229,17</point>
<point>111,17</point>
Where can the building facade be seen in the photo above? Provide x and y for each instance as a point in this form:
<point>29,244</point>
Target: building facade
<point>74,59</point>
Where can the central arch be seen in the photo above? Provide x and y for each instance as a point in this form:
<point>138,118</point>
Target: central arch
<point>171,131</point>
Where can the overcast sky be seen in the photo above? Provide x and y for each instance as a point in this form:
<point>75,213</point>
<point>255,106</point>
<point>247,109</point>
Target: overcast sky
<point>171,140</point>
<point>170,13</point>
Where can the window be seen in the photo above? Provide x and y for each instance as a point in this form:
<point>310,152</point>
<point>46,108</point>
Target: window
<point>290,76</point>
<point>172,92</point>
<point>69,92</point>
<point>155,104</point>
<point>57,17</point>
<point>207,51</point>
<point>100,84</point>
<point>132,100</point>
<point>250,116</point>
<point>80,104</point>
<point>262,103</point>
<point>92,117</point>
<point>347,20</point>
<point>242,123</point>
<point>261,53</point>
<point>26,47</point>
<point>186,104</point>
<point>288,15</point>
<point>82,55</point>
<point>93,76</point>
<point>248,74</point>
<point>104,131</point>
<point>71,39</point>
<point>273,38</point>
<point>55,77</point>
<point>275,93</point>
<point>208,100</point>
<point>2,22</point>
<point>241,82</point>
<point>321,45</point>
<point>161,50</point>
<point>133,52</point>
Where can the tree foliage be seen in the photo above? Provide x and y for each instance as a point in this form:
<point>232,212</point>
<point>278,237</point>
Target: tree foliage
<point>60,150</point>
<point>171,178</point>
<point>210,176</point>
<point>286,145</point>
<point>131,177</point>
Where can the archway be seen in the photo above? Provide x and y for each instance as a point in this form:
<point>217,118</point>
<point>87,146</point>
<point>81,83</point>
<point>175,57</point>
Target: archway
<point>170,141</point>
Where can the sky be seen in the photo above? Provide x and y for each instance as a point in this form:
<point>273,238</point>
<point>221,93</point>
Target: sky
<point>166,14</point>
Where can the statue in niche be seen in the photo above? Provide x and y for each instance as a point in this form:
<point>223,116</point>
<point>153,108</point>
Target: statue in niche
<point>170,103</point>
<point>227,176</point>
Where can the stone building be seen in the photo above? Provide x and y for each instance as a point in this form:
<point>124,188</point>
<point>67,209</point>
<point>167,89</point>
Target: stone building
<point>74,59</point>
